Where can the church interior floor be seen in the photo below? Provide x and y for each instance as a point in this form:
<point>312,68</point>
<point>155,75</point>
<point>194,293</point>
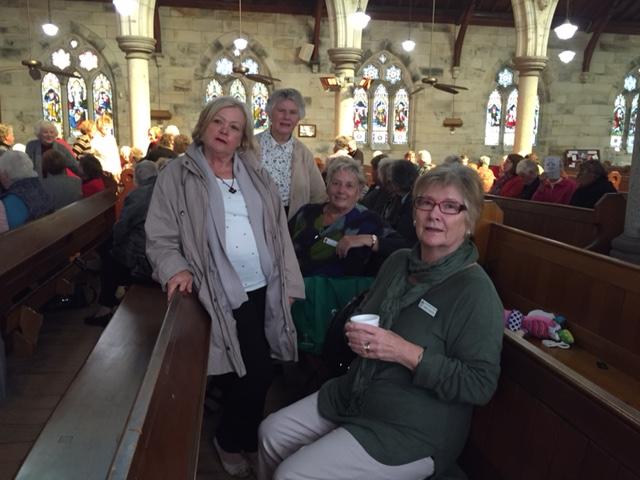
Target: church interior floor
<point>35,385</point>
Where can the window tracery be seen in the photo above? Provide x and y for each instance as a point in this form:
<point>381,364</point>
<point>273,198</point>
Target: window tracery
<point>623,121</point>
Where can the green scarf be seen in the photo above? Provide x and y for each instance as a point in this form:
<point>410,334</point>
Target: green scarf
<point>404,289</point>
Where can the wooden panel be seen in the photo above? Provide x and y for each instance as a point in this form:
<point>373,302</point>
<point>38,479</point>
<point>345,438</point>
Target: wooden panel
<point>80,439</point>
<point>568,456</point>
<point>597,465</point>
<point>161,439</point>
<point>589,289</point>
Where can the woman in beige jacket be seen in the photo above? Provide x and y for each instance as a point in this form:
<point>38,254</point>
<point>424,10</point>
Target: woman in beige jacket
<point>216,223</point>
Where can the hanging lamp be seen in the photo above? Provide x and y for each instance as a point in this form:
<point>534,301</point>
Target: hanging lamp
<point>408,45</point>
<point>359,19</point>
<point>566,30</point>
<point>49,28</point>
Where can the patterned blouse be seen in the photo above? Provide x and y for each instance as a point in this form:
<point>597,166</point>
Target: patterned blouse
<point>315,244</point>
<point>276,159</point>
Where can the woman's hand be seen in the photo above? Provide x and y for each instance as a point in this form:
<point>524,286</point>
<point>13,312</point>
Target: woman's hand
<point>182,281</point>
<point>353,241</point>
<point>378,343</point>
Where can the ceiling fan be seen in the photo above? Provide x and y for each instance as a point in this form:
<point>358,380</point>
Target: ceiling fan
<point>239,69</point>
<point>430,79</point>
<point>35,67</point>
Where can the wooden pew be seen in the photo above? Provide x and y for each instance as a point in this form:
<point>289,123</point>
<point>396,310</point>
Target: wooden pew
<point>592,229</point>
<point>39,253</point>
<point>562,413</point>
<point>135,408</point>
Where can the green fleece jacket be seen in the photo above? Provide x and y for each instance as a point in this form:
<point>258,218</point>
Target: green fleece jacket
<point>408,415</point>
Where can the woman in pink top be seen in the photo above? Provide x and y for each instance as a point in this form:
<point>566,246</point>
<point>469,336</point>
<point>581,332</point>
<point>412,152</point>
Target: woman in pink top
<point>556,186</point>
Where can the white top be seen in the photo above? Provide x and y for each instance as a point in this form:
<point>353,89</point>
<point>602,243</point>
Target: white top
<point>277,159</point>
<point>106,150</point>
<point>241,246</point>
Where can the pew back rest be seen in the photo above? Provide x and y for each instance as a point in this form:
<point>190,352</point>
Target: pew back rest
<point>592,229</point>
<point>599,295</point>
<point>37,251</point>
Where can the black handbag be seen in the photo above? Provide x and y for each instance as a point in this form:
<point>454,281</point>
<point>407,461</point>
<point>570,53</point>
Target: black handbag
<point>336,354</point>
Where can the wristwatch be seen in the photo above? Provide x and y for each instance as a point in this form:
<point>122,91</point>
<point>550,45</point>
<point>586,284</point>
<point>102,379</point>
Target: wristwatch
<point>374,240</point>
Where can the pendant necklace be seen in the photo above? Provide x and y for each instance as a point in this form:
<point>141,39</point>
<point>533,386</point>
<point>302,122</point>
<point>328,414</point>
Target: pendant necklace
<point>230,187</point>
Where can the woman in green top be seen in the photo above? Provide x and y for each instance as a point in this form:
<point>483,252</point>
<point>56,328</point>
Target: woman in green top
<point>404,408</point>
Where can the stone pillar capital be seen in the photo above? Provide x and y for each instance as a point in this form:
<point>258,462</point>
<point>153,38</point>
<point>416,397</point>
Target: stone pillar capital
<point>530,66</point>
<point>345,58</point>
<point>136,46</point>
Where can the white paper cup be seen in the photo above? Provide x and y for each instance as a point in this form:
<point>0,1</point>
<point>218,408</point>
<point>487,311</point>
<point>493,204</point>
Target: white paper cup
<point>367,319</point>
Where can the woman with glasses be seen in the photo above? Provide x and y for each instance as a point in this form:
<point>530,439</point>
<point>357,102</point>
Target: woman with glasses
<point>403,409</point>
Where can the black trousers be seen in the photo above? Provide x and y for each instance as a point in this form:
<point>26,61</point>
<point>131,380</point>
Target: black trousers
<point>243,397</point>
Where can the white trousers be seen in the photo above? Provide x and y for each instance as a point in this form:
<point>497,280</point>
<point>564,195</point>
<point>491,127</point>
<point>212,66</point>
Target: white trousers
<point>296,443</point>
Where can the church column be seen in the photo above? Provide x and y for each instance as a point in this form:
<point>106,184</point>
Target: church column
<point>345,54</point>
<point>345,61</point>
<point>627,246</point>
<point>138,50</point>
<point>532,20</point>
<point>529,69</point>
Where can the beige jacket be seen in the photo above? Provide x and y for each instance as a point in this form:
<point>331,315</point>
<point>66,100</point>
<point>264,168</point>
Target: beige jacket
<point>307,185</point>
<point>177,240</point>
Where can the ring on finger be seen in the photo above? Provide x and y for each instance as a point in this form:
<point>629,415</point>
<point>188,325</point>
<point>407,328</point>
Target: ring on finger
<point>367,347</point>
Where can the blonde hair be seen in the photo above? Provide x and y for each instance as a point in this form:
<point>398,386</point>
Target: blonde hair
<point>103,122</point>
<point>5,130</point>
<point>212,108</point>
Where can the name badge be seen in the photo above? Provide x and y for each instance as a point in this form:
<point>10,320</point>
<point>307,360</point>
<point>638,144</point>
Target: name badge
<point>330,241</point>
<point>427,307</point>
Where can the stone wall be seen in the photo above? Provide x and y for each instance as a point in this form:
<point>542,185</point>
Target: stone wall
<point>575,113</point>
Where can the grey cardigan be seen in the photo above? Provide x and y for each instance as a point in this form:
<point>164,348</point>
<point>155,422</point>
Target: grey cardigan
<point>177,240</point>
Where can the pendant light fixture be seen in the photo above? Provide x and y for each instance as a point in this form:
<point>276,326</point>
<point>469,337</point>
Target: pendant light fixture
<point>566,56</point>
<point>240,43</point>
<point>359,19</point>
<point>126,8</point>
<point>408,45</point>
<point>49,28</point>
<point>566,30</point>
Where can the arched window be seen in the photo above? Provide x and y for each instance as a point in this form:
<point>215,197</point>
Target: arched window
<point>501,113</point>
<point>381,112</point>
<point>67,101</point>
<point>225,82</point>
<point>623,126</point>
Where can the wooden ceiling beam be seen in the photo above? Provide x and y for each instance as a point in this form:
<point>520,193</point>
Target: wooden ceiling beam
<point>598,29</point>
<point>464,23</point>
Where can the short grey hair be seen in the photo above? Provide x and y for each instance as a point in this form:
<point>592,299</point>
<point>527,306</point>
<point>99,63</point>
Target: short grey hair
<point>526,166</point>
<point>172,130</point>
<point>456,175</point>
<point>348,164</point>
<point>17,165</point>
<point>212,108</point>
<point>484,160</point>
<point>41,125</point>
<point>144,170</point>
<point>286,94</point>
<point>384,169</point>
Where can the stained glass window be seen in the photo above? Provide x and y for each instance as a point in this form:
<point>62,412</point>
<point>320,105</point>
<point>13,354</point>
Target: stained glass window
<point>400,117</point>
<point>51,100</point>
<point>505,78</point>
<point>259,97</point>
<point>510,119</point>
<point>68,101</point>
<point>381,109</point>
<point>630,83</point>
<point>102,96</point>
<point>224,66</point>
<point>632,124</point>
<point>251,65</point>
<point>536,118</point>
<point>61,59</point>
<point>379,130</point>
<point>501,113</point>
<point>88,60</point>
<point>492,124</point>
<point>214,90</point>
<point>393,75</point>
<point>360,115</point>
<point>238,91</point>
<point>617,126</point>
<point>78,106</point>
<point>371,71</point>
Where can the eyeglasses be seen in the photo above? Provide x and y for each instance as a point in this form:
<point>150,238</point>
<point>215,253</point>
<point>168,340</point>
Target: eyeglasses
<point>448,207</point>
